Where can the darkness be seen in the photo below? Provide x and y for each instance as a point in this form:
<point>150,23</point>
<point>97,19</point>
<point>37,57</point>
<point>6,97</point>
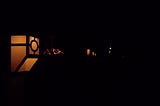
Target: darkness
<point>73,78</point>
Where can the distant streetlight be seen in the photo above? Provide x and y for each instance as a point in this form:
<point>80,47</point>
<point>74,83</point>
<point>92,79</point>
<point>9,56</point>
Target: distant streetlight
<point>88,52</point>
<point>93,54</point>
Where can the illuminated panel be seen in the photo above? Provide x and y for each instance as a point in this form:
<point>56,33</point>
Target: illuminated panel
<point>32,52</point>
<point>21,39</point>
<point>19,59</point>
<point>31,38</point>
<point>88,52</point>
<point>37,40</point>
<point>17,55</point>
<point>28,64</point>
<point>34,45</point>
<point>37,52</point>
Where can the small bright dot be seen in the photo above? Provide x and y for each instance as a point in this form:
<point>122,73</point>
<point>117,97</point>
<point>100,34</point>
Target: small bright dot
<point>110,48</point>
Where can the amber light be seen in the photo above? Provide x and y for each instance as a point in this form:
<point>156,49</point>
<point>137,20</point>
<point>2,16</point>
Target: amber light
<point>21,39</point>
<point>34,43</point>
<point>28,64</point>
<point>17,55</point>
<point>19,60</point>
<point>93,54</point>
<point>88,52</point>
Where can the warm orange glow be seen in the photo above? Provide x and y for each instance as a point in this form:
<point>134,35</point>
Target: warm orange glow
<point>37,40</point>
<point>28,64</point>
<point>93,54</point>
<point>88,52</point>
<point>32,52</point>
<point>18,52</point>
<point>31,38</point>
<point>20,39</point>
<point>17,55</point>
<point>33,45</point>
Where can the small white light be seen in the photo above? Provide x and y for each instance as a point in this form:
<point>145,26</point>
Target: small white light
<point>110,48</point>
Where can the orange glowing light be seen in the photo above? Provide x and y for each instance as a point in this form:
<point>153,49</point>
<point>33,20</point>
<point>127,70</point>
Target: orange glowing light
<point>93,54</point>
<point>17,55</point>
<point>88,52</point>
<point>34,45</point>
<point>19,59</point>
<point>28,64</point>
<point>21,39</point>
<point>31,38</point>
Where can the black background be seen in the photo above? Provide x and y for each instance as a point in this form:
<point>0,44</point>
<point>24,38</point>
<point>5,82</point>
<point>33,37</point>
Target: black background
<point>118,88</point>
<point>126,32</point>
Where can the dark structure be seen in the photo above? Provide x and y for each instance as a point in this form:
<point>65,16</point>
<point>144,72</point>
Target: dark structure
<point>74,78</point>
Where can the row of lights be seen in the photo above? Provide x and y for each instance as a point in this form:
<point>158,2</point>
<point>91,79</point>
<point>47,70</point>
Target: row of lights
<point>52,52</point>
<point>92,53</point>
<point>89,52</point>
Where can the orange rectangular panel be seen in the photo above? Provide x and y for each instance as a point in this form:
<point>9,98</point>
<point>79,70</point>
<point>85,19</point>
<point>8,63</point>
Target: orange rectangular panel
<point>31,38</point>
<point>17,55</point>
<point>28,64</point>
<point>20,39</point>
<point>37,40</point>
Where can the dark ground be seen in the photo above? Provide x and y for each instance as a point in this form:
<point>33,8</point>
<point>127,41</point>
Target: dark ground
<point>56,81</point>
